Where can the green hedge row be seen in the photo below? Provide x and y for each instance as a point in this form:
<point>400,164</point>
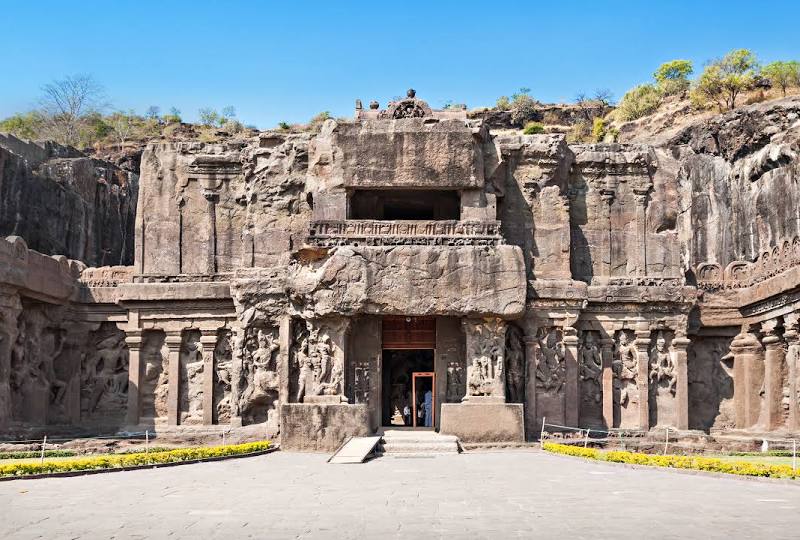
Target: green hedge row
<point>131,460</point>
<point>25,454</point>
<point>676,462</point>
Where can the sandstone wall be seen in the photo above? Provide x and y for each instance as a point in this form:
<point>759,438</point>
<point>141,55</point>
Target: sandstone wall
<point>64,203</point>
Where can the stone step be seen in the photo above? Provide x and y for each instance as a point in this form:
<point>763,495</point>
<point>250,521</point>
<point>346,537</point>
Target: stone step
<point>401,447</point>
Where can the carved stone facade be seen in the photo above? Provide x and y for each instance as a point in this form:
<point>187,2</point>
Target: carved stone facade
<point>538,282</point>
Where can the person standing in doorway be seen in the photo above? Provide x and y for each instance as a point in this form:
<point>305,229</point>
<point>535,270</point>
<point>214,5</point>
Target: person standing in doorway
<point>407,415</point>
<point>428,408</point>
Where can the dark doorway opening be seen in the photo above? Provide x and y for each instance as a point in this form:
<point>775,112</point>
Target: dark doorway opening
<point>406,204</point>
<point>399,403</point>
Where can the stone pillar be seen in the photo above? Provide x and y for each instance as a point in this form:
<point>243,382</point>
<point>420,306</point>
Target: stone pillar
<point>747,357</point>
<point>134,341</point>
<point>770,410</point>
<point>285,343</point>
<point>211,196</point>
<point>643,378</point>
<point>572,396</point>
<point>791,325</point>
<point>173,341</point>
<point>607,351</point>
<point>532,426</point>
<point>208,338</point>
<point>640,255</point>
<point>679,359</point>
<point>607,196</point>
<point>237,359</point>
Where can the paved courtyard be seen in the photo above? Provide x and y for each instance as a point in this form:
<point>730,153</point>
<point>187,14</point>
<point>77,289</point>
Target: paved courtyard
<point>480,495</point>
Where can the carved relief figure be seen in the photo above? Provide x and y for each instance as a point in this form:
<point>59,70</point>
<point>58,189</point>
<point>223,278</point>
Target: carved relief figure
<point>486,347</point>
<point>515,359</point>
<point>663,383</point>
<point>591,369</point>
<point>626,366</point>
<point>550,366</point>
<point>662,370</point>
<point>154,355</point>
<point>191,391</point>
<point>259,398</point>
<point>455,382</point>
<point>104,374</point>
<point>222,379</point>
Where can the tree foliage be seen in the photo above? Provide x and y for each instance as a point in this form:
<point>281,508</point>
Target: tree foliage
<point>66,103</point>
<point>782,74</point>
<point>638,102</point>
<point>723,80</point>
<point>673,77</point>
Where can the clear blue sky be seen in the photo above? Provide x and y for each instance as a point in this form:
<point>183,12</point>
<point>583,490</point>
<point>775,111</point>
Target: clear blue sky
<point>287,60</point>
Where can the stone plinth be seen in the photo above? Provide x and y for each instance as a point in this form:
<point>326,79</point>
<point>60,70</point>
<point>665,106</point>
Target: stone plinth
<point>321,427</point>
<point>484,422</point>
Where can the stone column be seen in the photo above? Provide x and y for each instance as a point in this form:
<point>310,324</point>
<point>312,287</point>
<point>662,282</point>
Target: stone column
<point>211,196</point>
<point>607,351</point>
<point>640,256</point>
<point>747,357</point>
<point>173,341</point>
<point>133,338</point>
<point>237,359</point>
<point>679,359</point>
<point>770,410</point>
<point>284,369</point>
<point>208,338</point>
<point>791,325</point>
<point>607,196</point>
<point>532,425</point>
<point>642,343</point>
<point>572,396</point>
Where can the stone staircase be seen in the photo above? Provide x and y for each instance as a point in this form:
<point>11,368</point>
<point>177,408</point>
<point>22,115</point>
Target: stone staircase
<point>416,443</point>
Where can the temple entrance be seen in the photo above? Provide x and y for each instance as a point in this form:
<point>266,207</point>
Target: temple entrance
<point>409,388</point>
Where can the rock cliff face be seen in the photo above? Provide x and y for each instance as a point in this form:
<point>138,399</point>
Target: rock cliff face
<point>65,203</point>
<point>738,176</point>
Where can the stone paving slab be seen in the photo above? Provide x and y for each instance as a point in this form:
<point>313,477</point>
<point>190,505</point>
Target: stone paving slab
<point>474,495</point>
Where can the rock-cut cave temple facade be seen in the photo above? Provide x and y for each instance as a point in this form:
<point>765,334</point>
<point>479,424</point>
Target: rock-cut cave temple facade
<point>298,280</point>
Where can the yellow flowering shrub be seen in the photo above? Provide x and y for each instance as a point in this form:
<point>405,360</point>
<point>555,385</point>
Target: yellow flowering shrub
<point>676,462</point>
<point>131,460</point>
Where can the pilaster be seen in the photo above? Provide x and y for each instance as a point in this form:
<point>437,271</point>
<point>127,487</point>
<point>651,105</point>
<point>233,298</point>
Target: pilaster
<point>208,338</point>
<point>747,357</point>
<point>607,352</point>
<point>133,339</point>
<point>791,334</point>
<point>770,410</point>
<point>572,394</point>
<point>531,354</point>
<point>173,341</point>
<point>642,344</point>
<point>680,344</point>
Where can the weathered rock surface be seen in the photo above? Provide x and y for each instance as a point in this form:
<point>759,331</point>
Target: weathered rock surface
<point>65,203</point>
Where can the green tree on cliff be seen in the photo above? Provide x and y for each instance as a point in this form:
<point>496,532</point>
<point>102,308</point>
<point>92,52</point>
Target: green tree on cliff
<point>673,77</point>
<point>724,80</point>
<point>783,74</point>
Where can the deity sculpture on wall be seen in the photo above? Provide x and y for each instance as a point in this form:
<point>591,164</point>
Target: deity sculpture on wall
<point>259,397</point>
<point>515,361</point>
<point>486,348</point>
<point>662,369</point>
<point>455,382</point>
<point>318,369</point>
<point>591,369</point>
<point>626,366</point>
<point>550,366</point>
<point>663,382</point>
<point>222,378</point>
<point>155,377</point>
<point>191,389</point>
<point>104,374</point>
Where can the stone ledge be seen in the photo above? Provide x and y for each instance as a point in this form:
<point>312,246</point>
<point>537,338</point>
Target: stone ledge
<point>484,422</point>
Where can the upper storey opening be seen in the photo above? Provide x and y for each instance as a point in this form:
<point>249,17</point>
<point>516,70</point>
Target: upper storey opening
<point>404,204</point>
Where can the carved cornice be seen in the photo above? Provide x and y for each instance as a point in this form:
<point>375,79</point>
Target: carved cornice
<point>742,274</point>
<point>331,233</point>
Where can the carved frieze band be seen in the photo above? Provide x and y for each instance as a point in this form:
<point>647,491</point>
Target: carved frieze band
<point>740,274</point>
<point>371,232</point>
